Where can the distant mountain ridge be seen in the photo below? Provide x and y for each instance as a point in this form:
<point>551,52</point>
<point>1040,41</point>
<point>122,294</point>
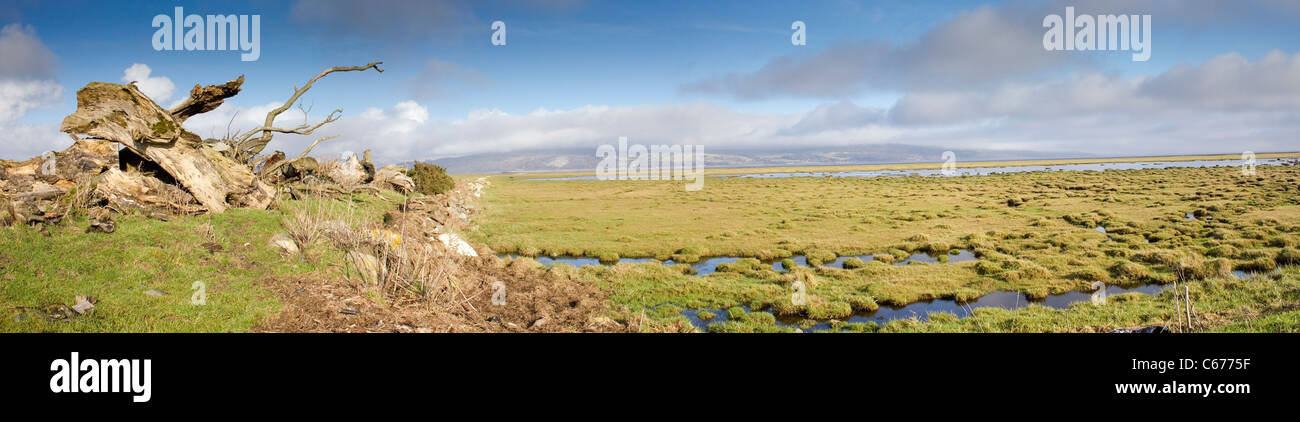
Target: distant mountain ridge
<point>585,159</point>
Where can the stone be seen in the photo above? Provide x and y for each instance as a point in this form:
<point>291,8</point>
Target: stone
<point>286,245</point>
<point>457,245</point>
<point>366,266</point>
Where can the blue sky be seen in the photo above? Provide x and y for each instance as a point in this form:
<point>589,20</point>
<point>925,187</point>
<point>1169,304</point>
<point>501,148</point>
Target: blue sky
<point>960,74</point>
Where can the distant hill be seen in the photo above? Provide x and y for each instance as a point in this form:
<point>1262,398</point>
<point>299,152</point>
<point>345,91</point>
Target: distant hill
<point>585,159</point>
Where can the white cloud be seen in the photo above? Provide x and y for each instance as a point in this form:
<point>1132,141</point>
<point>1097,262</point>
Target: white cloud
<point>27,82</point>
<point>22,141</point>
<point>25,56</point>
<point>158,88</point>
<point>410,110</point>
<point>1227,84</point>
<point>19,96</point>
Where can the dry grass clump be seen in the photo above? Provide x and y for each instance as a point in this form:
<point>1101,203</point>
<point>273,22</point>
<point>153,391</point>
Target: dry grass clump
<point>1129,271</point>
<point>1288,256</point>
<point>819,256</point>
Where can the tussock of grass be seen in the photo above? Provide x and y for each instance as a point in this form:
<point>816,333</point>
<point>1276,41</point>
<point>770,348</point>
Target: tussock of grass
<point>1046,245</point>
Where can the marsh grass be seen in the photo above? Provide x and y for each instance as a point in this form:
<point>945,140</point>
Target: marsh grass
<point>1047,245</point>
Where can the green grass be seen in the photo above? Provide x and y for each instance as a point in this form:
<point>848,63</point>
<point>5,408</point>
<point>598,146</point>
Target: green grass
<point>1046,244</point>
<point>146,254</point>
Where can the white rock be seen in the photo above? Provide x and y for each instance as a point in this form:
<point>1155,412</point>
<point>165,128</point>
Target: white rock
<point>457,245</point>
<point>348,173</point>
<point>287,246</point>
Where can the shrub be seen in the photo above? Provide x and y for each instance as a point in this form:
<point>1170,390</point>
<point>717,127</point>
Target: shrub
<point>1222,251</point>
<point>1156,256</point>
<point>862,303</point>
<point>744,265</point>
<point>829,310</point>
<point>984,267</point>
<point>1089,274</point>
<point>689,254</point>
<point>1282,242</point>
<point>1289,256</point>
<point>936,248</point>
<point>430,179</point>
<point>1125,270</point>
<point>819,256</point>
<point>1258,265</point>
<point>1220,267</point>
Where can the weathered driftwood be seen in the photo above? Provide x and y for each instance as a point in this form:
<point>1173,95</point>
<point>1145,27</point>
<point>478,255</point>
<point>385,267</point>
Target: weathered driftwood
<point>122,114</point>
<point>205,99</point>
<point>125,192</point>
<point>270,168</point>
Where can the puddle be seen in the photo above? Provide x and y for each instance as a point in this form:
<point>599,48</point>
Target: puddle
<point>985,171</point>
<point>710,265</point>
<point>921,310</point>
<point>1247,275</point>
<point>1001,299</point>
<point>1101,229</point>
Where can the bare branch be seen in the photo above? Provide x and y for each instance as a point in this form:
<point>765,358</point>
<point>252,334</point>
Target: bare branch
<point>251,147</point>
<point>305,129</point>
<point>313,145</point>
<point>205,99</point>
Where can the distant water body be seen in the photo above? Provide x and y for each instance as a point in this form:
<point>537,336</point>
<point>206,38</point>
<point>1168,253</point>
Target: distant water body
<point>985,171</point>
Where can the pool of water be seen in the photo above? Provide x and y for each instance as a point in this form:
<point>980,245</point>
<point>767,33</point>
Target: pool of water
<point>710,265</point>
<point>1001,299</point>
<point>921,310</point>
<point>984,171</point>
<point>1247,275</point>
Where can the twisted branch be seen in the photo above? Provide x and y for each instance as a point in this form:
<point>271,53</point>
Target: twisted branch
<point>248,147</point>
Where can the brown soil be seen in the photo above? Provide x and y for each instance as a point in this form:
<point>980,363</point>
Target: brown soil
<point>536,301</point>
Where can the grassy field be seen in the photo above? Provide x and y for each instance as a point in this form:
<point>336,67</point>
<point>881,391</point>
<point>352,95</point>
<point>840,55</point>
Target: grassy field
<point>229,253</point>
<point>1035,233</point>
